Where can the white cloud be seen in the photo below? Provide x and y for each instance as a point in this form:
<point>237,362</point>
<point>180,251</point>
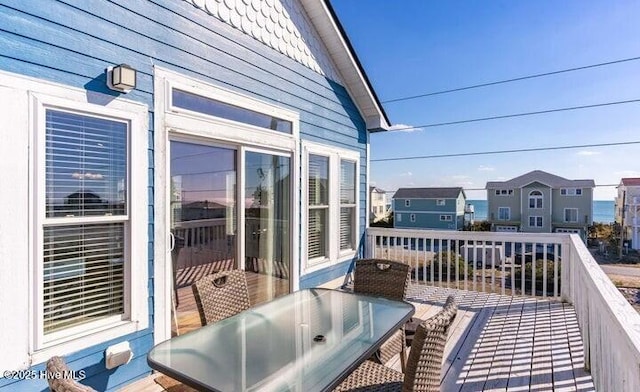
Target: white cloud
<point>460,177</point>
<point>87,176</point>
<point>406,174</point>
<point>486,168</point>
<point>587,153</point>
<point>404,128</point>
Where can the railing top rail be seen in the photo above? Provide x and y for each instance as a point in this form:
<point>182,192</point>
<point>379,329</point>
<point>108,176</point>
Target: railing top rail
<point>549,238</point>
<point>618,306</point>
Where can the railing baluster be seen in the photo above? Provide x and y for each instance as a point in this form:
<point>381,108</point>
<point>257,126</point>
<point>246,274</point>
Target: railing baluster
<point>484,263</point>
<point>534,254</point>
<point>439,262</point>
<point>433,260</point>
<point>466,263</point>
<point>556,263</point>
<point>493,266</point>
<point>456,245</point>
<point>448,263</point>
<point>544,271</point>
<point>522,270</point>
<point>503,277</point>
<point>424,262</point>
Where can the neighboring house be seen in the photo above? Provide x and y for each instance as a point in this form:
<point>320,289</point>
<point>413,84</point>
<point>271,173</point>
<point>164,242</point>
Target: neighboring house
<point>246,123</point>
<point>540,202</point>
<point>628,210</point>
<point>429,208</point>
<point>378,202</point>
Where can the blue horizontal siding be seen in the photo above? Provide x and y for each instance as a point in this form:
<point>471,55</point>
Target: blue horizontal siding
<point>72,42</point>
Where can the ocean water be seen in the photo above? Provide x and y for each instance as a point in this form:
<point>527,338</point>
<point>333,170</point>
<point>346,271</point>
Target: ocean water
<point>603,210</point>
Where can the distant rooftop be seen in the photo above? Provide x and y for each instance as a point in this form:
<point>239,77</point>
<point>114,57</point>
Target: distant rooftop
<point>543,177</point>
<point>428,193</point>
<point>630,181</point>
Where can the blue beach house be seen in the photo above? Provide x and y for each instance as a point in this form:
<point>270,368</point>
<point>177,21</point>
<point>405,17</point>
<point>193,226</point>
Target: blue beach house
<point>141,138</point>
<point>429,208</point>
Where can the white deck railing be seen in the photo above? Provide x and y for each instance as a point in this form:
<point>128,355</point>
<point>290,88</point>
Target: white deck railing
<point>507,263</point>
<point>479,261</point>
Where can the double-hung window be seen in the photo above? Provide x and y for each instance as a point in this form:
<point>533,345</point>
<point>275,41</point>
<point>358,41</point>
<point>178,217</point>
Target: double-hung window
<point>86,219</point>
<point>86,223</point>
<point>318,217</point>
<point>332,205</point>
<point>93,195</point>
<point>571,215</point>
<point>504,213</point>
<point>535,221</point>
<point>348,204</point>
<point>535,199</point>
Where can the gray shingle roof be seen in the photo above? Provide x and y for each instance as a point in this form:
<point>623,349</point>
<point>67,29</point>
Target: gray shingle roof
<point>543,177</point>
<point>428,193</point>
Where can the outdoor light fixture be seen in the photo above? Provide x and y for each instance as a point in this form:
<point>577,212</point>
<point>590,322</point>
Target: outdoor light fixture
<point>121,78</point>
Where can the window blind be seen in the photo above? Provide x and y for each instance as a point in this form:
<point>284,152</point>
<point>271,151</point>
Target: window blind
<point>85,177</point>
<point>318,174</point>
<point>85,165</point>
<point>347,204</point>
<point>83,274</point>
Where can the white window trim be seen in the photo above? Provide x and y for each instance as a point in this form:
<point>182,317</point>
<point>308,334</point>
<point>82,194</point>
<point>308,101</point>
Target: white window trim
<point>353,205</point>
<point>407,203</point>
<point>535,221</point>
<point>504,192</point>
<point>571,231</point>
<point>233,98</point>
<point>326,259</point>
<point>506,228</point>
<point>201,127</point>
<point>571,192</point>
<point>565,215</point>
<point>441,202</point>
<point>398,217</point>
<point>536,198</point>
<point>412,218</point>
<point>508,213</point>
<point>32,97</point>
<point>446,218</point>
<point>187,122</point>
<point>335,156</point>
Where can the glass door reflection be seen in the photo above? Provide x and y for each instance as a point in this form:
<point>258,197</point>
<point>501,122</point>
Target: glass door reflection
<point>267,223</point>
<point>202,210</point>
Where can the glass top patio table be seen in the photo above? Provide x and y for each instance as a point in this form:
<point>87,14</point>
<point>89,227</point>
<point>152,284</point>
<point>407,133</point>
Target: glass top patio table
<point>309,340</point>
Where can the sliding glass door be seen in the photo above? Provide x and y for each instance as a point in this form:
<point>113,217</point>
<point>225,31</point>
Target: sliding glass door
<point>202,209</point>
<point>267,222</point>
<point>205,181</point>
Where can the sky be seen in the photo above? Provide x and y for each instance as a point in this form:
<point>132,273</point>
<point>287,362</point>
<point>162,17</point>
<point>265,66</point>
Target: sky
<point>414,47</point>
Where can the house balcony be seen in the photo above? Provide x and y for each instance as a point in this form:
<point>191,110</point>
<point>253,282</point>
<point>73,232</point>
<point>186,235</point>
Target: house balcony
<point>556,324</point>
<point>534,296</point>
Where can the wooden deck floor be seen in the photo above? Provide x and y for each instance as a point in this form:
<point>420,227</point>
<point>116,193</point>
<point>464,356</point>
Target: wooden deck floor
<point>260,287</point>
<point>497,343</point>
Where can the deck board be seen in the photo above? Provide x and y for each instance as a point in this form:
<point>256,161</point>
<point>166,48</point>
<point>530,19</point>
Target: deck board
<point>496,343</point>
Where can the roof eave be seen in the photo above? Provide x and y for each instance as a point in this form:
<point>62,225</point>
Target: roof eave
<point>327,24</point>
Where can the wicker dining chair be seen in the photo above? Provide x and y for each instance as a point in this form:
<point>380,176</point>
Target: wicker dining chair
<point>388,279</point>
<point>221,295</point>
<point>424,365</point>
<point>63,383</point>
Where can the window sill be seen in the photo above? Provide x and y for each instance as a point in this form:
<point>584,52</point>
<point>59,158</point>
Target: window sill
<point>87,339</point>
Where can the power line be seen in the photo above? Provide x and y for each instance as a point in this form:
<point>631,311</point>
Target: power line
<point>517,115</point>
<point>466,154</point>
<point>510,80</point>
